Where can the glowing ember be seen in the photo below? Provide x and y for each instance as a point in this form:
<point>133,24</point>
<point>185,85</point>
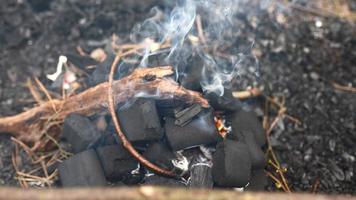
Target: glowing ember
<point>220,125</point>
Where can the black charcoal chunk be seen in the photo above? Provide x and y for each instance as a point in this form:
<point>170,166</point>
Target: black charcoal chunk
<point>82,169</point>
<point>226,102</point>
<point>184,116</point>
<point>116,161</point>
<point>80,132</point>
<point>258,160</point>
<point>106,138</point>
<point>246,121</point>
<point>191,75</point>
<point>258,180</point>
<point>231,164</point>
<point>140,121</point>
<point>136,177</point>
<point>156,180</point>
<point>81,62</point>
<point>201,176</point>
<point>168,107</point>
<point>101,73</point>
<point>200,131</point>
<point>160,154</point>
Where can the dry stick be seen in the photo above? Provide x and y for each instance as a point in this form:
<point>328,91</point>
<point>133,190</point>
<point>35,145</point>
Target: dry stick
<point>254,92</point>
<point>280,171</point>
<point>276,180</point>
<point>45,91</point>
<point>274,162</point>
<point>278,166</point>
<point>315,186</point>
<point>343,88</point>
<point>122,136</point>
<point>24,146</point>
<point>14,163</point>
<point>44,168</point>
<point>34,92</point>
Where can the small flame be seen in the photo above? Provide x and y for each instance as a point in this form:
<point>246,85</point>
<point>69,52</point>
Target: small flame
<point>220,125</point>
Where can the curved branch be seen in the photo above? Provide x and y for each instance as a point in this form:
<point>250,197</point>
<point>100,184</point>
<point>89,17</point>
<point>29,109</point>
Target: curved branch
<point>27,126</point>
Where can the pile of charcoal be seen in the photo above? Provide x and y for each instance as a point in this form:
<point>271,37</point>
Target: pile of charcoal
<point>220,146</point>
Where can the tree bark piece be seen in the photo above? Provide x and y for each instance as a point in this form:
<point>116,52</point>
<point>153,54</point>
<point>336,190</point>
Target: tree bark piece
<point>149,82</point>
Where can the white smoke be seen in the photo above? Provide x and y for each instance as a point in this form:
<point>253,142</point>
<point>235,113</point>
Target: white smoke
<point>217,16</point>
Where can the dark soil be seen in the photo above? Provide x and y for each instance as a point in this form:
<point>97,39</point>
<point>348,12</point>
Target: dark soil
<point>297,59</point>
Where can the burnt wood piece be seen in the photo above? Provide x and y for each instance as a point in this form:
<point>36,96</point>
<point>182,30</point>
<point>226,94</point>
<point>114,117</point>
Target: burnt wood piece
<point>140,121</point>
<point>201,176</point>
<point>232,164</point>
<point>156,180</point>
<point>246,121</point>
<point>185,115</point>
<point>116,161</point>
<point>80,132</point>
<point>82,169</point>
<point>160,154</point>
<point>199,131</point>
<point>27,126</point>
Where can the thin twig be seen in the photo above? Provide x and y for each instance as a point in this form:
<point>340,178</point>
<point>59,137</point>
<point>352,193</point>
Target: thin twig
<point>254,92</point>
<point>276,180</point>
<point>200,29</point>
<point>34,92</point>
<point>344,88</point>
<point>45,91</point>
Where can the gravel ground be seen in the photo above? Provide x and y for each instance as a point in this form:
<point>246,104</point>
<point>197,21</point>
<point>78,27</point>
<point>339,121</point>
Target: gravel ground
<point>300,56</point>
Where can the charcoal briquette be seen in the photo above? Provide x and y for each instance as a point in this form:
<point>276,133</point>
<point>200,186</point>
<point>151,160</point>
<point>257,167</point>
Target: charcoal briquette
<point>116,161</point>
<point>140,121</point>
<point>246,121</point>
<point>258,180</point>
<point>82,169</point>
<point>168,107</point>
<point>81,62</point>
<point>160,154</point>
<point>226,102</point>
<point>231,164</point>
<point>201,176</point>
<point>200,131</point>
<point>191,75</point>
<point>134,178</point>
<point>80,132</point>
<point>101,73</point>
<point>106,138</point>
<point>258,160</point>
